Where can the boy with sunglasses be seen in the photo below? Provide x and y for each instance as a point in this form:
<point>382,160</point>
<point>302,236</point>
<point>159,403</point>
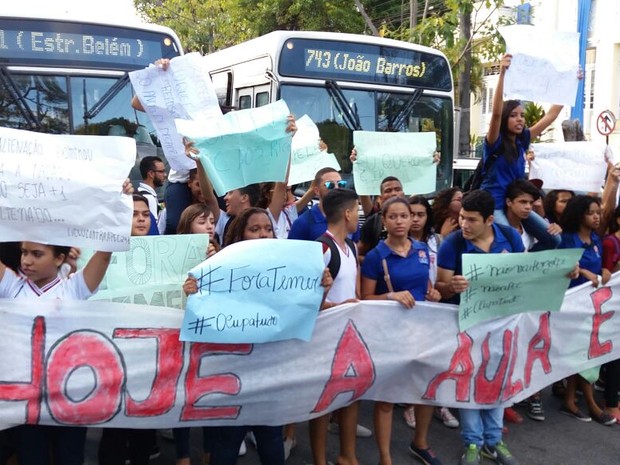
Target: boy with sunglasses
<point>312,223</point>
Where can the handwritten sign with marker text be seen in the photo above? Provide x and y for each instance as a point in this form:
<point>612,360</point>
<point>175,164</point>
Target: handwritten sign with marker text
<point>576,166</point>
<point>508,283</point>
<point>243,147</point>
<point>256,291</point>
<point>306,156</point>
<point>152,271</point>
<point>407,155</point>
<point>544,65</point>
<point>65,190</point>
<point>184,91</point>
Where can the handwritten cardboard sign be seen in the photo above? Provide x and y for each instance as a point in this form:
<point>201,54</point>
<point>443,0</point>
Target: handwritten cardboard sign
<point>406,155</point>
<point>184,91</point>
<point>152,271</point>
<point>256,291</point>
<point>118,365</point>
<point>243,147</point>
<point>576,166</point>
<point>65,190</point>
<point>505,284</point>
<point>306,157</point>
<point>544,65</point>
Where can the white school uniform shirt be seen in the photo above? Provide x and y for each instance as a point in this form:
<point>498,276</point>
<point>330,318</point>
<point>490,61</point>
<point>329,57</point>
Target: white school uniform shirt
<point>18,286</point>
<point>344,286</point>
<point>282,226</point>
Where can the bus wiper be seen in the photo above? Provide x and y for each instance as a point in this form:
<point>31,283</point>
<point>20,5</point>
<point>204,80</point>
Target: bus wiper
<point>20,102</point>
<point>401,118</point>
<point>350,115</point>
<point>105,98</point>
<point>272,76</point>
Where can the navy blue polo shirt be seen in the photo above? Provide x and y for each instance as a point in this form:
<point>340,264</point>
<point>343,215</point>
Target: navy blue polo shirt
<point>409,273</point>
<point>448,256</point>
<point>312,224</point>
<point>504,170</point>
<point>592,258</point>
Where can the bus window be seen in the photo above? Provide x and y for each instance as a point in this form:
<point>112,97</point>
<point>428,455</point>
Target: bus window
<point>262,98</point>
<point>43,105</point>
<point>245,102</point>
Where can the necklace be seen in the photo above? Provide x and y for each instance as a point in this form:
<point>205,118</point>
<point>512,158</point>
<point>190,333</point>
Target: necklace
<point>403,251</point>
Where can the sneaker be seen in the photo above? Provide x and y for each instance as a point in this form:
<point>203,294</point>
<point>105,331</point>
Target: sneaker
<point>409,416</point>
<point>289,445</point>
<point>605,419</point>
<point>577,414</point>
<point>500,453</point>
<point>426,456</point>
<point>243,449</point>
<point>445,415</point>
<point>360,432</point>
<point>471,455</point>
<point>512,416</point>
<point>535,409</point>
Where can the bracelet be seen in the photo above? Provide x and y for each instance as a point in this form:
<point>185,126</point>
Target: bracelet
<point>390,296</point>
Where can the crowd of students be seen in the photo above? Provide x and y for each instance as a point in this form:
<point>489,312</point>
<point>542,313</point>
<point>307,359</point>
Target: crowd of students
<point>406,251</point>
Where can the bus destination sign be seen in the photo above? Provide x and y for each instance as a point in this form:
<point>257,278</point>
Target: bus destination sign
<point>30,41</point>
<point>354,61</point>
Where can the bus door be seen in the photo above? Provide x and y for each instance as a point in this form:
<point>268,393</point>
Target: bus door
<point>253,97</point>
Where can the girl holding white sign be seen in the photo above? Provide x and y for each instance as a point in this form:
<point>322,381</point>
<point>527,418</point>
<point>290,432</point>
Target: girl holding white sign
<point>504,151</point>
<point>39,277</point>
<point>398,269</point>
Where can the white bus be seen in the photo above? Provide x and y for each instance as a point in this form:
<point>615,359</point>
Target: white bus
<point>71,77</point>
<point>343,82</point>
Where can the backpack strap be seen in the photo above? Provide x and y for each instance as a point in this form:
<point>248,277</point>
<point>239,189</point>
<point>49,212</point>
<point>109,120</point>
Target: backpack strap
<point>506,230</point>
<point>334,259</point>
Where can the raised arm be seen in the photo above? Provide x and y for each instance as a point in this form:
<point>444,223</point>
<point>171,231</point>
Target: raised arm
<point>305,199</point>
<point>498,101</point>
<point>205,183</point>
<point>545,121</point>
<point>609,196</point>
<point>95,269</point>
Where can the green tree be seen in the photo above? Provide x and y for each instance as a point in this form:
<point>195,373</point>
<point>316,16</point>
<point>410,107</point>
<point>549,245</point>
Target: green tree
<point>201,25</point>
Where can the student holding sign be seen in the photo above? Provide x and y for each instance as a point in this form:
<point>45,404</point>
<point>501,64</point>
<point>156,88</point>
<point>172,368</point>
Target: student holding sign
<point>39,278</point>
<point>580,221</point>
<point>481,430</point>
<point>398,269</point>
<point>504,155</point>
<point>252,223</point>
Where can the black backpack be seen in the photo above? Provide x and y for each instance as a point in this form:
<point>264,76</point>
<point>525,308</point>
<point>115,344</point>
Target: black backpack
<point>475,180</point>
<point>334,261</point>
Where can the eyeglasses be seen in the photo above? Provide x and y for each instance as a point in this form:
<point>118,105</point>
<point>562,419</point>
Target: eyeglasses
<point>336,184</point>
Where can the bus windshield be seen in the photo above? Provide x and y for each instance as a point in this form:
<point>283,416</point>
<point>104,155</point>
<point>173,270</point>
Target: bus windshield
<point>376,111</point>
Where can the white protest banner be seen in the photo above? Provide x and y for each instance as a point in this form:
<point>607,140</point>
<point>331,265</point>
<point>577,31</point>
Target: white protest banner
<point>578,166</point>
<point>505,284</point>
<point>152,271</point>
<point>406,155</point>
<point>183,91</point>
<point>65,190</point>
<point>241,291</point>
<point>306,156</point>
<point>242,147</point>
<point>103,364</point>
<point>544,65</point>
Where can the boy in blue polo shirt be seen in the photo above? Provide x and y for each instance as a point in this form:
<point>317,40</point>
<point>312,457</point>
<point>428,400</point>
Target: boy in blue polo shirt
<point>481,430</point>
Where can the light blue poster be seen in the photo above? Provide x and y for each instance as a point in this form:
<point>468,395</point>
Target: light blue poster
<point>256,291</point>
<point>242,147</point>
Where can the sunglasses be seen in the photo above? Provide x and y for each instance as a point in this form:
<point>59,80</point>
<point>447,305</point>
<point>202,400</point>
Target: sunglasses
<point>336,184</point>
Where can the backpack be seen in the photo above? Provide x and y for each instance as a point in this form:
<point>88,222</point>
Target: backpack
<point>334,261</point>
<point>475,180</point>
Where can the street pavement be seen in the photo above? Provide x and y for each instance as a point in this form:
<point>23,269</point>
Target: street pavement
<point>559,440</point>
